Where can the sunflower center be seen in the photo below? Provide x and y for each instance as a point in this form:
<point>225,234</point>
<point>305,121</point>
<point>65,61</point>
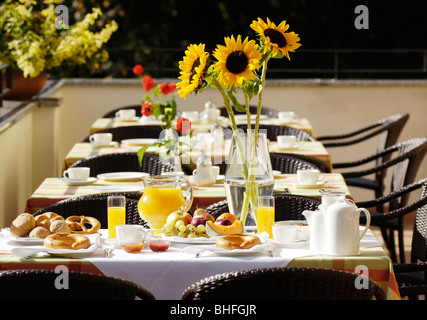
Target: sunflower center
<point>196,63</point>
<point>237,62</point>
<point>276,37</point>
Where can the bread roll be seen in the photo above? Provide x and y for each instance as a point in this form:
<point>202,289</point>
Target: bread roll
<point>237,241</point>
<point>22,225</point>
<point>59,226</point>
<point>39,232</point>
<point>67,241</point>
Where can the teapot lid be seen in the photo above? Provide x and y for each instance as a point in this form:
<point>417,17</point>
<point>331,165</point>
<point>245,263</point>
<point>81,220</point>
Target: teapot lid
<point>210,105</point>
<point>204,160</point>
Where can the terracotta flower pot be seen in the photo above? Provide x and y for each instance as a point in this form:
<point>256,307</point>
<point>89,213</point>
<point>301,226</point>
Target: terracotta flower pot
<point>25,88</point>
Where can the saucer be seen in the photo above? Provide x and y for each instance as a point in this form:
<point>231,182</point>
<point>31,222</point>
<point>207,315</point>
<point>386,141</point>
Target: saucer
<point>99,145</point>
<point>130,119</point>
<point>292,245</point>
<point>310,186</point>
<point>70,182</point>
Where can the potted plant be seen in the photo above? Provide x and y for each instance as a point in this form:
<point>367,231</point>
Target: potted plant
<point>34,42</point>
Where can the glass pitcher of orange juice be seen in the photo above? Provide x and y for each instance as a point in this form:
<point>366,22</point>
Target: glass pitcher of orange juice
<point>162,196</point>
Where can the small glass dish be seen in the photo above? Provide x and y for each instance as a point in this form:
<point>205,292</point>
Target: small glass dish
<point>157,242</point>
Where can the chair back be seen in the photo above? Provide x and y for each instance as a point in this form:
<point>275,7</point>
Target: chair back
<point>95,205</point>
<point>131,132</point>
<point>42,285</point>
<point>124,162</point>
<point>287,206</point>
<point>274,131</point>
<point>270,112</point>
<point>283,284</point>
<point>419,236</point>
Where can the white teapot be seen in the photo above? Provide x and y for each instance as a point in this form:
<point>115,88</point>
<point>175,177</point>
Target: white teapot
<point>335,230</point>
<point>203,175</point>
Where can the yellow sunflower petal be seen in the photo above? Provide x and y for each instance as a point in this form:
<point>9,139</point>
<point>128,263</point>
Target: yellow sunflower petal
<point>236,61</point>
<point>192,69</point>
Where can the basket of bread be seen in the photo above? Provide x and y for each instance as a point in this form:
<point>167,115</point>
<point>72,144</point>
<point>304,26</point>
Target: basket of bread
<point>58,232</point>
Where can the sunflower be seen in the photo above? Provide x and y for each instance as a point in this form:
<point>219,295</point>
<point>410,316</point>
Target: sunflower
<point>236,61</point>
<point>276,38</point>
<point>192,69</point>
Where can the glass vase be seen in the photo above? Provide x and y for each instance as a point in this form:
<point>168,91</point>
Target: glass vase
<point>248,175</point>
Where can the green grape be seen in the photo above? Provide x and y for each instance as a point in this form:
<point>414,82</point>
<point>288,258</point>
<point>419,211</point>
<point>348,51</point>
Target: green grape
<point>173,232</point>
<point>182,228</point>
<point>179,223</point>
<point>168,227</point>
<point>192,235</point>
<point>182,235</point>
<point>201,228</point>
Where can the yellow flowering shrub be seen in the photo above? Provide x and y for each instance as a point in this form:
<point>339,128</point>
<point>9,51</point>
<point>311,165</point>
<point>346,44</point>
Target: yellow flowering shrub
<point>31,42</point>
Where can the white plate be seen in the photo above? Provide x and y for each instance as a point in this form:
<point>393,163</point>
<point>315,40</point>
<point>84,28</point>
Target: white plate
<point>132,119</point>
<point>138,142</point>
<point>253,116</point>
<point>122,176</point>
<point>224,252</point>
<point>107,189</point>
<point>293,245</point>
<point>198,240</point>
<point>101,145</point>
<point>310,186</point>
<point>70,182</point>
<point>25,241</point>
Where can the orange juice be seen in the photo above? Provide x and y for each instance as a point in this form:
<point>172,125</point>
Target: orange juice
<point>265,220</point>
<point>116,216</point>
<point>157,202</point>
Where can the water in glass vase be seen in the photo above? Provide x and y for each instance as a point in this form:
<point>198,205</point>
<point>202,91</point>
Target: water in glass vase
<point>234,190</point>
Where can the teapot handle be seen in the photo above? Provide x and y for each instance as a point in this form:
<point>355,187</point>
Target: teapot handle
<point>368,223</point>
<point>189,200</point>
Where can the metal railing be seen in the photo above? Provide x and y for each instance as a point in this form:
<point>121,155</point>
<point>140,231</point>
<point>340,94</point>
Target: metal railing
<point>305,63</point>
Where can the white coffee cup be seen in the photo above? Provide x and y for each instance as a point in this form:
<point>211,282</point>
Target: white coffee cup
<point>101,138</point>
<point>77,173</point>
<point>130,234</point>
<point>290,231</point>
<point>286,141</point>
<point>286,116</point>
<point>309,177</point>
<point>215,171</point>
<point>126,114</point>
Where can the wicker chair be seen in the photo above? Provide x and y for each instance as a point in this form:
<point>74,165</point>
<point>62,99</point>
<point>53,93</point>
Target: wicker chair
<point>388,130</point>
<point>127,161</point>
<point>283,284</point>
<point>95,205</point>
<point>40,285</point>
<point>412,277</point>
<point>112,113</point>
<point>405,165</point>
<point>287,206</point>
<point>274,131</point>
<point>271,113</point>
<point>131,132</point>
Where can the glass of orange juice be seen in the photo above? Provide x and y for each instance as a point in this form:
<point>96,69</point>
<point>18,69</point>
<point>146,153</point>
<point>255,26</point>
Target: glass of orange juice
<point>116,214</point>
<point>265,215</point>
<point>162,196</point>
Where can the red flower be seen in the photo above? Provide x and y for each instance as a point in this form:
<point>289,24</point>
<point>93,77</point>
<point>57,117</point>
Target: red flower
<point>148,83</point>
<point>166,88</point>
<point>138,69</point>
<point>183,125</point>
<point>147,109</point>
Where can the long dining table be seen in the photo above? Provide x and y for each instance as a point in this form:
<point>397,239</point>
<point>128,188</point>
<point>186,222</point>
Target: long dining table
<point>167,274</point>
<point>54,189</point>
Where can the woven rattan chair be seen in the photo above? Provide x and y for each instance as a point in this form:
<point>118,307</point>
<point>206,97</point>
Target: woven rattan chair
<point>112,113</point>
<point>95,205</point>
<point>124,162</point>
<point>412,277</point>
<point>388,130</point>
<point>274,131</point>
<point>131,132</point>
<point>287,206</point>
<point>405,164</point>
<point>270,112</point>
<point>283,284</point>
<point>42,285</point>
<point>283,162</point>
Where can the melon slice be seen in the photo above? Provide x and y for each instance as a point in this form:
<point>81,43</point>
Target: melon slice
<point>214,230</point>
